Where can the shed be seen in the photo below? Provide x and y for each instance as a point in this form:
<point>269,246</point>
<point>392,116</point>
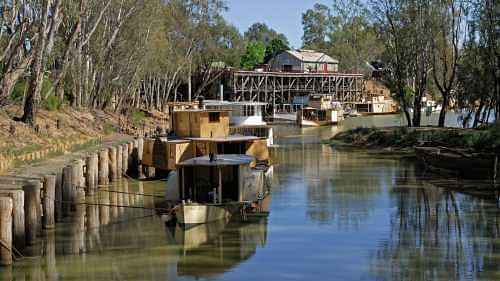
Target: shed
<point>304,61</point>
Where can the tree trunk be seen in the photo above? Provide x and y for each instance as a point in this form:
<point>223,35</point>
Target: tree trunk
<point>405,107</point>
<point>37,72</point>
<point>477,116</point>
<point>417,110</point>
<point>442,114</point>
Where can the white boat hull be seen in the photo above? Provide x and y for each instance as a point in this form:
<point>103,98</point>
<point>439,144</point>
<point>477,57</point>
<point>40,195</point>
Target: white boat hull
<point>188,214</point>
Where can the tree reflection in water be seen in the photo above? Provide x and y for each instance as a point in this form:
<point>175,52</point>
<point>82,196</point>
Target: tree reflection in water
<point>437,234</point>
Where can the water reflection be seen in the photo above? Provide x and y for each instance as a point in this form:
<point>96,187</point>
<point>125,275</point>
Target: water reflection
<point>335,215</point>
<point>437,234</point>
<point>213,249</point>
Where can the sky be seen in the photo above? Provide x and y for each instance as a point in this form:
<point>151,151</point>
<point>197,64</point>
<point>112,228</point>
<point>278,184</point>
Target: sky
<point>284,16</point>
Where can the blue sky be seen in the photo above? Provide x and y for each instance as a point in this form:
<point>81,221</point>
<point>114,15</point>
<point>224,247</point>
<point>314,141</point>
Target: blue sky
<point>284,16</point>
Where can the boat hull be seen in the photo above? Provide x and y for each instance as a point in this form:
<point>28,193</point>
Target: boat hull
<point>191,214</point>
<point>309,123</point>
<point>466,167</point>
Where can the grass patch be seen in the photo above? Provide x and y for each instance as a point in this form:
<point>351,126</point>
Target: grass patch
<point>137,117</point>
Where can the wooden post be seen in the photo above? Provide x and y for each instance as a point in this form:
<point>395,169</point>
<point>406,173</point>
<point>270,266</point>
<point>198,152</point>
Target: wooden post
<point>67,190</point>
<point>103,167</point>
<point>18,224</point>
<point>113,201</point>
<point>91,176</point>
<point>78,227</point>
<point>6,230</point>
<point>31,191</point>
<point>49,192</point>
<point>112,164</point>
<point>126,195</point>
<point>125,155</point>
<point>59,197</point>
<point>103,207</point>
<point>119,161</point>
<point>140,151</point>
<point>130,164</point>
<point>76,179</point>
<point>92,214</point>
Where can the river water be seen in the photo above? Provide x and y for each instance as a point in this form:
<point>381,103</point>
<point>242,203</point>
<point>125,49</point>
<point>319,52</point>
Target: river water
<point>335,215</point>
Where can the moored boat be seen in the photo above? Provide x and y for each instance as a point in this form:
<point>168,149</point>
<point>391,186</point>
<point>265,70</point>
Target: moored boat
<point>459,162</point>
<point>213,188</point>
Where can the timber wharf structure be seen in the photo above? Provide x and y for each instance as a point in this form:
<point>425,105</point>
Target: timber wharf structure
<point>279,88</point>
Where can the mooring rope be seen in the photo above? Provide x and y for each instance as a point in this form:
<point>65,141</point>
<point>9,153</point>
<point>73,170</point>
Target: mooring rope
<point>130,193</point>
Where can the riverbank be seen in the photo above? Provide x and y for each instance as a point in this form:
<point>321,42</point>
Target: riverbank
<point>403,139</point>
<point>65,131</point>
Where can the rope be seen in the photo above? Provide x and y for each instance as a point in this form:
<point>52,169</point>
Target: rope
<point>130,193</point>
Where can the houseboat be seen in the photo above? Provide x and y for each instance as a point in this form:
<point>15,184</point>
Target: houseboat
<point>320,110</point>
<point>245,118</point>
<point>216,187</point>
<point>241,167</point>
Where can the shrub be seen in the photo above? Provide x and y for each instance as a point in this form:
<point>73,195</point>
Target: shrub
<point>52,103</point>
<point>137,117</point>
<point>109,129</point>
<point>18,91</point>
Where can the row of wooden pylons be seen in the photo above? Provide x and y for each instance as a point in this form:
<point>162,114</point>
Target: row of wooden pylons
<point>30,205</point>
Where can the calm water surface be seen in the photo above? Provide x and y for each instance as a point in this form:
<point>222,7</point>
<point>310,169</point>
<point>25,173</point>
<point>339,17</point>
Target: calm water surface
<point>335,215</point>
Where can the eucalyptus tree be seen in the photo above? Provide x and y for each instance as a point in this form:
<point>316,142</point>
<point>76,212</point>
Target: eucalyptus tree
<point>487,16</point>
<point>260,32</point>
<point>447,34</point>
<point>396,33</point>
<point>17,33</point>
<point>316,23</point>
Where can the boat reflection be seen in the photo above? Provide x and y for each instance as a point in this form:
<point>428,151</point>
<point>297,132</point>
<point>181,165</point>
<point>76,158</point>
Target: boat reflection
<point>209,250</point>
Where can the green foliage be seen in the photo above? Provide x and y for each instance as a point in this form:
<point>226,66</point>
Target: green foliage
<point>254,55</point>
<point>137,117</point>
<point>275,47</point>
<point>18,91</point>
<point>260,32</point>
<point>109,129</point>
<point>52,103</point>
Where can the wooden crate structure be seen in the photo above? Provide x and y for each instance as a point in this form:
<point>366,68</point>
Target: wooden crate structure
<point>201,123</point>
<point>179,151</point>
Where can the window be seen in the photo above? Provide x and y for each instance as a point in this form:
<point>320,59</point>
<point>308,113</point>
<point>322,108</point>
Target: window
<point>214,117</point>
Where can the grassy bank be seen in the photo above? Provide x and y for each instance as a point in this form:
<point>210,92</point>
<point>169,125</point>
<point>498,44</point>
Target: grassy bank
<point>401,138</point>
<point>65,126</point>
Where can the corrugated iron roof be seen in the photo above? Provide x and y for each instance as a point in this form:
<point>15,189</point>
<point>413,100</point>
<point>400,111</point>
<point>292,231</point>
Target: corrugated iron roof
<point>312,56</point>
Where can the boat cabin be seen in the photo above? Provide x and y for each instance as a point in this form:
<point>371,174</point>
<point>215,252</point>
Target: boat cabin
<point>242,113</point>
<point>245,118</point>
<point>222,179</point>
<point>201,123</point>
<point>310,116</point>
<point>166,154</point>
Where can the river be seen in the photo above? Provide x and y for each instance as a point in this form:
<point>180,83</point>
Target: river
<point>335,215</point>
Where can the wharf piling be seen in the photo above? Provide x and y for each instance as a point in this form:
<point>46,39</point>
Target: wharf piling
<point>80,187</point>
<point>6,230</point>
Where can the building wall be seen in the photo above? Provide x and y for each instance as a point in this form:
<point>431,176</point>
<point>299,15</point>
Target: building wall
<point>278,63</point>
<point>286,59</point>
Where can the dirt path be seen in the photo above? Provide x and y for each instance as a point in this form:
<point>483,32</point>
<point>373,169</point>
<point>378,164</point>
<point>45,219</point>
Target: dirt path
<point>55,164</point>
